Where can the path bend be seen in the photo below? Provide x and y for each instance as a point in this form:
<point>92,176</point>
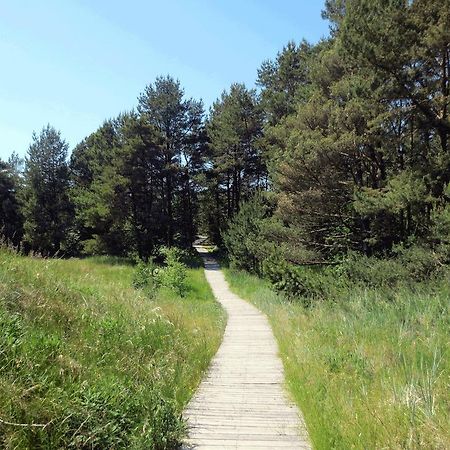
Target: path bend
<point>241,403</point>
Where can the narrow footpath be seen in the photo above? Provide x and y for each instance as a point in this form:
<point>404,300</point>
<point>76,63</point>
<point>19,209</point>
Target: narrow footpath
<point>241,403</point>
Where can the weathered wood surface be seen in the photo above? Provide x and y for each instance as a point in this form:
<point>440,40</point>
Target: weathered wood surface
<point>241,404</point>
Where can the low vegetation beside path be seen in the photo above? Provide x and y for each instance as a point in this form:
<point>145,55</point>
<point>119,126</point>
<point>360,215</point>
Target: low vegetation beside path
<point>370,368</point>
<point>89,362</point>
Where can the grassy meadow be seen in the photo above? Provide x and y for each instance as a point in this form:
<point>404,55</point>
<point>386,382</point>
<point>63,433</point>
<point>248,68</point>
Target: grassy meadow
<point>370,370</point>
<point>89,362</point>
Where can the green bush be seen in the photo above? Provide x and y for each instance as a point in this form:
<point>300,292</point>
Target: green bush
<point>191,258</point>
<point>150,277</point>
<point>93,246</point>
<point>174,275</point>
<point>371,271</point>
<point>311,283</point>
<point>421,263</point>
<point>304,283</point>
<point>243,238</point>
<point>146,276</point>
<point>409,265</point>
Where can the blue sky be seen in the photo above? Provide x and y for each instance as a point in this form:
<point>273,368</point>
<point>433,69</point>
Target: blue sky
<point>75,63</point>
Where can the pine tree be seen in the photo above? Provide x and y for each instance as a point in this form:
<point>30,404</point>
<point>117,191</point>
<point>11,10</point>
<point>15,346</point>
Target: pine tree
<point>362,160</point>
<point>180,122</point>
<point>281,80</point>
<point>144,168</point>
<point>238,168</point>
<point>100,191</point>
<point>47,208</point>
<point>11,219</point>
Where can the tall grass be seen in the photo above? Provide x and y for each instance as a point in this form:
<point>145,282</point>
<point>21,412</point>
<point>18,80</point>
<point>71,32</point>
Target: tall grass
<point>88,362</point>
<point>369,370</point>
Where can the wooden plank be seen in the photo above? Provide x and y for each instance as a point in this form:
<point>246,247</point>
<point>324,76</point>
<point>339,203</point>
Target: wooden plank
<point>241,403</point>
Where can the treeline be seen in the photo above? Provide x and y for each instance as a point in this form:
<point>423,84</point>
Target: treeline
<point>345,143</point>
<point>356,139</point>
<point>149,177</point>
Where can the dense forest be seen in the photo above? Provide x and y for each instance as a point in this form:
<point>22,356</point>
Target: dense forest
<point>343,147</point>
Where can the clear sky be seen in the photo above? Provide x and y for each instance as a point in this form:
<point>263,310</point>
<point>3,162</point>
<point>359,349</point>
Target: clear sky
<point>75,63</point>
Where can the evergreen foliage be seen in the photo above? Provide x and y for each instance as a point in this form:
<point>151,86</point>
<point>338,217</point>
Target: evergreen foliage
<point>179,122</point>
<point>331,180</point>
<point>47,209</point>
<point>11,219</point>
<point>355,137</point>
<point>237,166</point>
<point>343,148</point>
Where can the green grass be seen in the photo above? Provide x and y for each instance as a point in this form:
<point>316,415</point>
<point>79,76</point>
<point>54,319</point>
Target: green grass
<point>88,362</point>
<point>370,370</point>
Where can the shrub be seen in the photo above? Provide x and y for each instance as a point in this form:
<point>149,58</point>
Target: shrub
<point>372,271</point>
<point>191,258</point>
<point>150,277</point>
<point>421,263</point>
<point>304,283</point>
<point>147,277</point>
<point>93,246</point>
<point>409,265</point>
<point>174,275</point>
<point>243,238</point>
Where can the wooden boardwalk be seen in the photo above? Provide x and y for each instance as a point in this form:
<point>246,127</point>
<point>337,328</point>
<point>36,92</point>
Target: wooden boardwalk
<point>241,404</point>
